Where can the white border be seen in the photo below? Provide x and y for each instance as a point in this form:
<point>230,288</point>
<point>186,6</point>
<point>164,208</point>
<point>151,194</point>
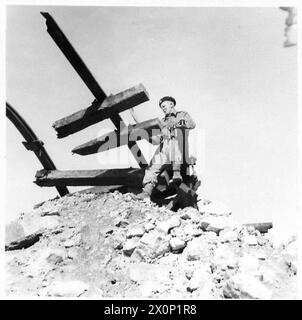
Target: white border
<point>145,3</point>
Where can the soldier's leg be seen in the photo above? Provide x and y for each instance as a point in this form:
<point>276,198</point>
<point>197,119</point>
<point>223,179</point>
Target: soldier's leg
<point>151,173</point>
<point>176,159</point>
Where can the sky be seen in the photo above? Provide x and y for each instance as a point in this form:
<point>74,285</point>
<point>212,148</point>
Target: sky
<point>227,67</point>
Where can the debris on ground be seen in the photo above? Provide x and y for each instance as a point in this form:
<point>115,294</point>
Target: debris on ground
<point>112,245</point>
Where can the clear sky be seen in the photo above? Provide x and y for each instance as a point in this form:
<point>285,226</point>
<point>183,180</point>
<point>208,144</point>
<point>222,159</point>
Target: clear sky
<point>226,66</point>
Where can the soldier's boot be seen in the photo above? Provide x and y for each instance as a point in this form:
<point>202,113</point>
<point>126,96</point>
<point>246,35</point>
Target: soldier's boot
<point>146,193</point>
<point>177,178</point>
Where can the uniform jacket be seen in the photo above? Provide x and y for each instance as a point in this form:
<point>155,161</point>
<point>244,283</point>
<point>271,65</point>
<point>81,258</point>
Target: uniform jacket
<point>178,119</point>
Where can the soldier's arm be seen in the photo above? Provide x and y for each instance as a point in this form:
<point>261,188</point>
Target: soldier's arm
<point>186,121</point>
<point>157,136</point>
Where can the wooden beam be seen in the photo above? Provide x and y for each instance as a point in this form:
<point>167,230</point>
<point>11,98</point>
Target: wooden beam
<point>72,56</point>
<point>114,139</point>
<point>33,143</point>
<point>262,227</point>
<point>70,53</point>
<point>100,111</point>
<point>128,177</point>
<point>23,242</point>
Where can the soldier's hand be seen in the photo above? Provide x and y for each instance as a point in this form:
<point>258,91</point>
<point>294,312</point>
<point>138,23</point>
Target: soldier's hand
<point>170,124</point>
<point>181,124</point>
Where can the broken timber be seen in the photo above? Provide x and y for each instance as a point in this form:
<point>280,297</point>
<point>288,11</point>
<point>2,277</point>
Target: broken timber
<point>33,143</point>
<point>23,242</point>
<point>102,108</point>
<point>142,130</point>
<point>262,227</point>
<point>72,56</point>
<point>131,177</point>
<point>101,111</point>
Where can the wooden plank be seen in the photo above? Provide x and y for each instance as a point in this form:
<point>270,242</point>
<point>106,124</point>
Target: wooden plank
<point>262,227</point>
<point>132,145</point>
<point>128,177</point>
<point>114,139</point>
<point>78,64</point>
<point>72,56</point>
<point>98,112</point>
<point>23,242</point>
<point>33,143</point>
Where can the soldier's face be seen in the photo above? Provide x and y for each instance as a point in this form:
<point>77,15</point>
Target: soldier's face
<point>167,107</point>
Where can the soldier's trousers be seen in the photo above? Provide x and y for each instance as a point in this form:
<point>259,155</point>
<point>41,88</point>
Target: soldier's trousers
<point>168,153</point>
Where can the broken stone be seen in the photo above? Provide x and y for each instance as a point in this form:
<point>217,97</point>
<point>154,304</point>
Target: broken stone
<point>228,235</point>
<point>153,244</point>
<point>206,292</point>
<point>196,249</point>
<point>72,253</point>
<point>118,241</point>
<point>73,288</point>
<point>129,246</point>
<point>135,231</point>
<point>189,274</point>
<point>179,283</point>
<point>69,244</point>
<point>260,255</point>
<point>167,225</point>
<point>149,226</point>
<point>216,209</point>
<point>262,241</point>
<point>191,213</point>
<point>224,257</point>
<point>177,244</point>
<point>32,223</point>
<point>107,230</point>
<point>210,235</point>
<point>45,261</point>
<point>269,276</point>
<point>141,272</point>
<point>250,229</point>
<point>108,268</point>
<point>192,231</point>
<point>67,233</point>
<point>120,222</point>
<point>278,237</point>
<point>248,263</point>
<point>185,216</point>
<point>290,256</point>
<point>54,258</point>
<point>250,240</point>
<point>114,213</point>
<point>149,288</point>
<point>246,286</point>
<point>214,224</point>
<point>199,278</point>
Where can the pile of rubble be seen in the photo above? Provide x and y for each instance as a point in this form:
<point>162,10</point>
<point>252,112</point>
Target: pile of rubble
<point>111,245</point>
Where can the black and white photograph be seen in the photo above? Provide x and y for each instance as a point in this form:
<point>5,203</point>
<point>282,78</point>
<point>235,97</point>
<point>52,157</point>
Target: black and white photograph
<point>151,151</point>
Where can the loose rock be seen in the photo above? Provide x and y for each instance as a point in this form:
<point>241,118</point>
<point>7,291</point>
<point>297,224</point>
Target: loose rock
<point>246,286</point>
<point>177,244</point>
<point>73,288</point>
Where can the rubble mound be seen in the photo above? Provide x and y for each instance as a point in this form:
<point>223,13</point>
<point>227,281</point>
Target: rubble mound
<point>112,245</point>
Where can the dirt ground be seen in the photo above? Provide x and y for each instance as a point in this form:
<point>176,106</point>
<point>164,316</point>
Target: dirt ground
<point>111,245</point>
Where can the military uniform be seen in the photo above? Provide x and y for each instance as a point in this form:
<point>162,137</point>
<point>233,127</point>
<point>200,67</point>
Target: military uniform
<point>169,150</point>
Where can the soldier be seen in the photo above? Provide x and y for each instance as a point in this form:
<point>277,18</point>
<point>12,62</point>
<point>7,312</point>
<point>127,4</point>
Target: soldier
<point>169,150</point>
